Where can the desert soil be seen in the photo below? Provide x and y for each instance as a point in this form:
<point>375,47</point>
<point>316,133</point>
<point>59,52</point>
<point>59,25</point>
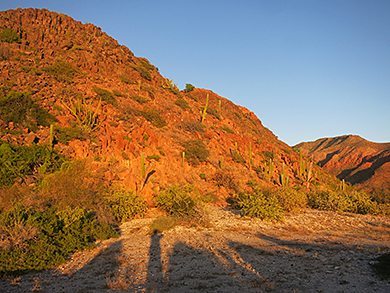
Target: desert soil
<point>314,251</point>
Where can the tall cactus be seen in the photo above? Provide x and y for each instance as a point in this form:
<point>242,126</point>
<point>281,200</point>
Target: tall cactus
<point>250,155</point>
<point>204,113</point>
<point>283,177</point>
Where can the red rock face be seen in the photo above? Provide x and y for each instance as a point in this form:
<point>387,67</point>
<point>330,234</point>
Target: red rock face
<point>65,64</point>
<point>352,158</point>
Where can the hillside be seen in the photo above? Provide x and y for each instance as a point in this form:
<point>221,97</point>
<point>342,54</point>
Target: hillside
<point>60,63</point>
<point>353,159</point>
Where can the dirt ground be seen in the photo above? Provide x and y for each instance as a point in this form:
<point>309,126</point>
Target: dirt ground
<point>314,251</point>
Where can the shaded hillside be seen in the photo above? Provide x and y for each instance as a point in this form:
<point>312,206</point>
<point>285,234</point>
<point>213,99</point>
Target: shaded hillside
<point>117,110</point>
<point>352,158</point>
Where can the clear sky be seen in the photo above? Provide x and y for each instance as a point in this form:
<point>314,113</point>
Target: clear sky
<point>307,69</point>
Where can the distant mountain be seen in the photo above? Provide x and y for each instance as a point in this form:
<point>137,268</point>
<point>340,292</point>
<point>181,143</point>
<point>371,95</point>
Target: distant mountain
<point>352,158</point>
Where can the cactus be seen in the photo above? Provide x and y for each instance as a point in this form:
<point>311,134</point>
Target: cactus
<point>283,177</point>
<point>84,114</point>
<point>301,164</point>
<point>204,113</point>
<point>250,155</point>
<point>270,170</point>
<point>51,136</point>
<point>220,108</point>
<point>183,156</point>
<point>309,174</point>
<point>143,168</point>
<point>221,163</point>
<point>343,185</point>
<point>139,86</point>
<point>235,149</point>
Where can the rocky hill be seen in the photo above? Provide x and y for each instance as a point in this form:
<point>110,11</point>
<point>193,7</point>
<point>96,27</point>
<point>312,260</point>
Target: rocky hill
<point>135,126</point>
<point>353,159</point>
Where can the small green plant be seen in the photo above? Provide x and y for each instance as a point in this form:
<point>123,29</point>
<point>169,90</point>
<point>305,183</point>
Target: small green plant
<point>168,84</point>
<point>189,88</point>
<point>126,80</point>
<point>182,104</point>
<point>182,202</point>
<point>144,72</point>
<point>10,36</point>
<point>61,70</point>
<point>119,94</point>
<point>227,180</point>
<point>153,157</point>
<point>227,129</point>
<point>106,96</point>
<point>195,151</point>
<point>20,108</point>
<point>86,118</point>
<point>143,168</point>
<point>236,156</point>
<point>125,205</point>
<point>140,99</point>
<point>154,117</point>
<point>65,134</point>
<point>283,177</point>
<point>258,204</point>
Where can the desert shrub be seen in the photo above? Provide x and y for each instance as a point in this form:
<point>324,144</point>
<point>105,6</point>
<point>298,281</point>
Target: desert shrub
<point>119,94</point>
<point>61,70</point>
<point>32,70</point>
<point>19,161</point>
<point>182,202</point>
<point>10,36</point>
<point>193,126</point>
<point>126,80</point>
<point>35,240</point>
<point>74,186</point>
<point>146,64</point>
<point>189,88</point>
<point>164,223</point>
<point>5,53</point>
<point>352,201</point>
<point>182,104</point>
<point>20,108</point>
<point>258,204</point>
<point>153,157</point>
<point>65,134</point>
<point>238,158</point>
<point>139,99</point>
<point>195,151</point>
<point>154,117</point>
<point>125,205</point>
<point>291,199</point>
<point>105,95</point>
<point>227,129</point>
<point>226,179</point>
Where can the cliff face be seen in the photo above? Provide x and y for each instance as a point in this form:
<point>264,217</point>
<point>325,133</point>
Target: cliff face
<point>352,158</point>
<point>118,111</point>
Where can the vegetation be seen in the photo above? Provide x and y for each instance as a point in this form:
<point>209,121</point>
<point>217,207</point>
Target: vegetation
<point>153,117</point>
<point>125,205</point>
<point>182,202</point>
<point>106,96</point>
<point>195,151</point>
<point>139,99</point>
<point>65,134</point>
<point>10,36</point>
<point>19,161</point>
<point>126,80</point>
<point>20,108</point>
<point>61,70</point>
<point>189,88</point>
<point>182,104</point>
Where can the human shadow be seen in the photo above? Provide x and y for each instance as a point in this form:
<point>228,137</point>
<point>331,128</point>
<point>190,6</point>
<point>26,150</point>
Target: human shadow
<point>155,270</point>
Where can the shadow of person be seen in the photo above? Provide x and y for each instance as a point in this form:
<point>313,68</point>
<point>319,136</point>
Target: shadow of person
<point>155,271</point>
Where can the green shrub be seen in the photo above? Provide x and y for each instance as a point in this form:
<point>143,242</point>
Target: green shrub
<point>139,99</point>
<point>226,179</point>
<point>106,96</point>
<point>352,201</point>
<point>119,94</point>
<point>258,204</point>
<point>125,205</point>
<point>153,157</point>
<point>189,88</point>
<point>290,199</point>
<point>182,104</point>
<point>66,134</point>
<point>126,80</point>
<point>18,161</point>
<point>227,129</point>
<point>195,151</point>
<point>164,223</point>
<point>10,36</point>
<point>154,117</point>
<point>182,202</point>
<point>146,64</point>
<point>32,70</point>
<point>193,126</point>
<point>36,240</point>
<point>20,108</point>
<point>61,70</point>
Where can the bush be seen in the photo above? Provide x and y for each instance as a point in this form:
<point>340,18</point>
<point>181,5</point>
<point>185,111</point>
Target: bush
<point>189,88</point>
<point>182,202</point>
<point>61,70</point>
<point>125,205</point>
<point>291,199</point>
<point>126,80</point>
<point>226,180</point>
<point>106,96</point>
<point>18,107</point>
<point>35,240</point>
<point>353,201</point>
<point>227,129</point>
<point>258,204</point>
<point>193,126</point>
<point>66,134</point>
<point>153,117</point>
<point>18,161</point>
<point>139,99</point>
<point>195,151</point>
<point>10,36</point>
<point>182,104</point>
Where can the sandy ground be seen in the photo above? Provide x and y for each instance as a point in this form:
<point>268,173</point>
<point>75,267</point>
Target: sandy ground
<point>314,251</point>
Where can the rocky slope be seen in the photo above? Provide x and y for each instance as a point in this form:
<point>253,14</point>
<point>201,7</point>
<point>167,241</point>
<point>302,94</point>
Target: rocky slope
<point>126,113</point>
<point>352,158</point>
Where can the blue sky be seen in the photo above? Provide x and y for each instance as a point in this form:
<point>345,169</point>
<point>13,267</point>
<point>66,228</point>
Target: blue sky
<point>307,69</point>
